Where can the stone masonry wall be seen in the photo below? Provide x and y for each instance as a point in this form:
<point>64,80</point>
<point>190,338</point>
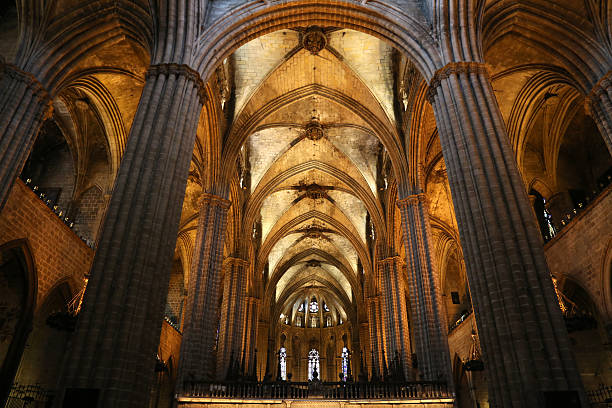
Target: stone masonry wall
<point>580,251</point>
<point>58,253</point>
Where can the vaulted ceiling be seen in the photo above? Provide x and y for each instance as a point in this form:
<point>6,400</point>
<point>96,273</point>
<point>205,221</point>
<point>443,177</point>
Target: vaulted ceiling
<point>310,121</point>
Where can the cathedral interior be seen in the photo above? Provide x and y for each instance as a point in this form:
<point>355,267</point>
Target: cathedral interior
<point>215,203</point>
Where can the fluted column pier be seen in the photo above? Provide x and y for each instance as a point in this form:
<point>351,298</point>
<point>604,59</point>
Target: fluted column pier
<point>395,313</point>
<point>430,327</point>
<point>24,106</point>
<point>112,354</point>
<point>233,315</point>
<point>197,360</point>
<point>249,344</point>
<point>376,335</point>
<point>523,337</point>
<point>599,106</point>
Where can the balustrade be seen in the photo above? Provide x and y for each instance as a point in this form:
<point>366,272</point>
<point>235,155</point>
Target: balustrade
<point>317,390</point>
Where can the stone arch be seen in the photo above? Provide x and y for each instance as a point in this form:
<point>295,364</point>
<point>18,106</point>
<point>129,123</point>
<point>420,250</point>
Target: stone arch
<point>47,343</point>
<point>18,307</point>
<point>107,111</point>
<point>406,30</point>
<point>541,187</point>
<point>52,164</point>
<point>385,132</point>
<point>588,339</point>
<point>85,33</point>
<point>542,26</point>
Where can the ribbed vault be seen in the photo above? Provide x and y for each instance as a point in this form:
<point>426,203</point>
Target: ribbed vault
<point>315,138</point>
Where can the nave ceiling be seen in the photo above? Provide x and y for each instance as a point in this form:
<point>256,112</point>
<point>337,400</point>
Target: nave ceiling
<point>333,194</point>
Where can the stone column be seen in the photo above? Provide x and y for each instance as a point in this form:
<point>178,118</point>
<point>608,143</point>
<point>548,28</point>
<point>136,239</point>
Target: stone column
<point>376,337</point>
<point>249,344</point>
<point>429,320</point>
<point>113,348</point>
<point>24,106</point>
<point>395,313</point>
<point>524,341</point>
<point>364,342</point>
<point>233,315</point>
<point>599,106</point>
<point>197,360</point>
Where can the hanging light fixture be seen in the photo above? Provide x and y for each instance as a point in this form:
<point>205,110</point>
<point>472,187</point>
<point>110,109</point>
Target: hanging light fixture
<point>474,363</point>
<point>66,320</point>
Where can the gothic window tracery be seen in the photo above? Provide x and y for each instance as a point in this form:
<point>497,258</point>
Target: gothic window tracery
<point>345,357</point>
<point>314,305</point>
<point>313,365</point>
<point>282,356</point>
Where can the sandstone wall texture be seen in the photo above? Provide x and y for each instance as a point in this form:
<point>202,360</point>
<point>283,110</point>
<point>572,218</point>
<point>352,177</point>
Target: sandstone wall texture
<point>58,253</point>
<point>582,251</point>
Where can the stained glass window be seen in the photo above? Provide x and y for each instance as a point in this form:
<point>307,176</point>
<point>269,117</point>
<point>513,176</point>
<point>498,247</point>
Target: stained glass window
<point>551,228</point>
<point>345,357</point>
<point>313,364</point>
<point>325,308</point>
<point>282,356</point>
<point>314,306</point>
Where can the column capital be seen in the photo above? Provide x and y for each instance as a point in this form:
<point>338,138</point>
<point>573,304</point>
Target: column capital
<point>235,262</point>
<point>213,200</point>
<point>390,260</point>
<point>598,89</point>
<point>460,67</point>
<point>254,300</point>
<point>31,82</point>
<point>411,200</point>
<point>180,70</point>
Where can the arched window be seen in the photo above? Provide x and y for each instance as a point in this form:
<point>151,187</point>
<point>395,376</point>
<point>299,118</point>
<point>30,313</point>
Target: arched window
<point>313,364</point>
<point>314,305</point>
<point>543,216</point>
<point>282,357</point>
<point>345,361</point>
<point>328,321</point>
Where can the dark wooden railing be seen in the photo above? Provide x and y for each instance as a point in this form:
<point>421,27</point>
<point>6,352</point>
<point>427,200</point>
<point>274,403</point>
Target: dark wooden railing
<point>600,397</point>
<point>321,390</point>
<point>30,396</point>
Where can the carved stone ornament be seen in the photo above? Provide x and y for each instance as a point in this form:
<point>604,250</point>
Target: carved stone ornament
<point>314,131</point>
<point>313,263</point>
<point>314,40</point>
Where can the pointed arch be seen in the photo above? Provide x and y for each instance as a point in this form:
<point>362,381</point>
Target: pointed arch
<point>18,255</point>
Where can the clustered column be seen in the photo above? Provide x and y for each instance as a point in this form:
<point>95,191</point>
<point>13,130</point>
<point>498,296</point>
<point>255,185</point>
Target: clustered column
<point>395,313</point>
<point>599,105</point>
<point>24,106</point>
<point>112,354</point>
<point>523,336</point>
<point>197,360</point>
<point>376,336</point>
<point>233,315</point>
<point>249,345</point>
<point>364,342</point>
<point>430,327</point>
